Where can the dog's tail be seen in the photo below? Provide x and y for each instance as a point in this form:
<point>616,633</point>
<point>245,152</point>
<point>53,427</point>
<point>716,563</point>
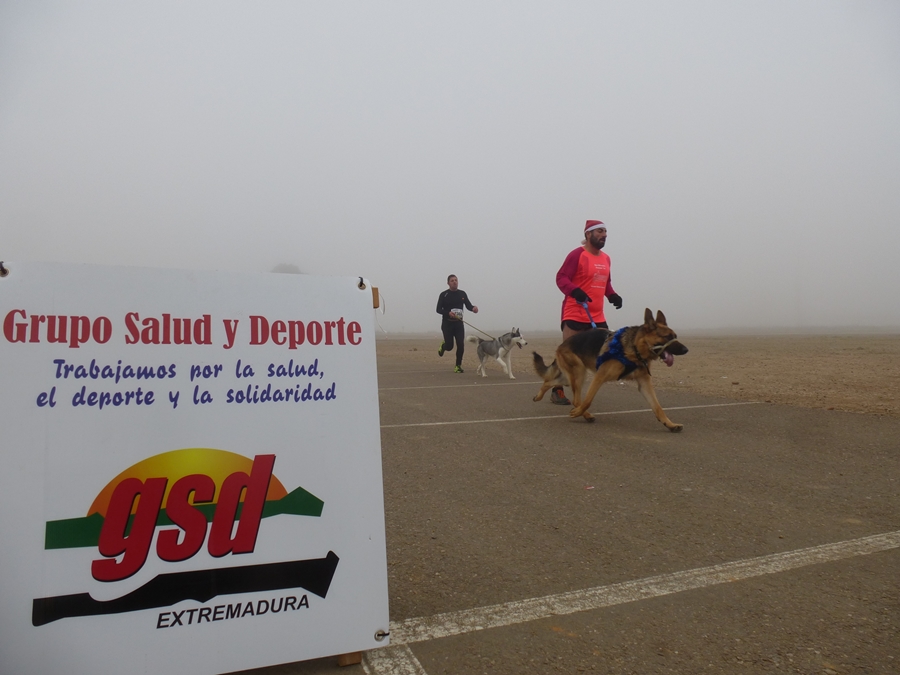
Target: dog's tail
<point>474,339</point>
<point>550,372</point>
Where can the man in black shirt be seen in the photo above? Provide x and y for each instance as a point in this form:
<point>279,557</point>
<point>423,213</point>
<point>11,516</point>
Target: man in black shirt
<point>450,307</point>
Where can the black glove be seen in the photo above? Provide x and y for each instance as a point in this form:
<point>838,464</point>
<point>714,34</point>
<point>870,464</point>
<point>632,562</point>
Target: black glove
<point>580,295</point>
<point>616,300</point>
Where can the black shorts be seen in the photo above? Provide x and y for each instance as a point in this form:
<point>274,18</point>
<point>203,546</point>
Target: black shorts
<point>581,325</point>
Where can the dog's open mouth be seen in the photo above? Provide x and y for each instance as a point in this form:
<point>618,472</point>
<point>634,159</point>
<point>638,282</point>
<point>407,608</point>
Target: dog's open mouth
<point>668,351</point>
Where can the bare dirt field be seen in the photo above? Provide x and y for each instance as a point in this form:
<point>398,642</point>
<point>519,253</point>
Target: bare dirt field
<point>852,373</point>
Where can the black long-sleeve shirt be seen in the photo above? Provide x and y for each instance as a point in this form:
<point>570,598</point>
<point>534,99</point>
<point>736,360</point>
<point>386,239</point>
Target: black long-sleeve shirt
<point>452,300</point>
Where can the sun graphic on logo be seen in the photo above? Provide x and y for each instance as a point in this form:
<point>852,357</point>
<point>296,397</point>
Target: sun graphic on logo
<point>217,464</point>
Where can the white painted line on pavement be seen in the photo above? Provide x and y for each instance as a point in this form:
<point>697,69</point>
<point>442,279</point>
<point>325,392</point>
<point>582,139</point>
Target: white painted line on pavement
<point>459,386</point>
<point>393,660</point>
<point>511,613</point>
<point>414,372</point>
<point>470,371</point>
<point>497,372</point>
<point>552,417</point>
<point>398,659</point>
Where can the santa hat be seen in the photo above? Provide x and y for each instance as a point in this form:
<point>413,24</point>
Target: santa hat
<point>593,225</point>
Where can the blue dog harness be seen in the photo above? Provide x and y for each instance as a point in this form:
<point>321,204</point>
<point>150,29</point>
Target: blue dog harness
<point>617,351</point>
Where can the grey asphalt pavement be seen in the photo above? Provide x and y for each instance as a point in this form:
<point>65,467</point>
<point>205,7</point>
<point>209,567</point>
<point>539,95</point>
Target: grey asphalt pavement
<point>492,499</point>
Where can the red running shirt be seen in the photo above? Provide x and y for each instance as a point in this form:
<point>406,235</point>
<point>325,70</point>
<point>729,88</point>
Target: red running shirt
<point>590,273</point>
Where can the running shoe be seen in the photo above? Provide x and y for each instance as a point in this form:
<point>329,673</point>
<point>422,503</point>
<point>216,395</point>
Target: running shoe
<point>441,350</point>
<point>558,396</point>
<point>458,369</point>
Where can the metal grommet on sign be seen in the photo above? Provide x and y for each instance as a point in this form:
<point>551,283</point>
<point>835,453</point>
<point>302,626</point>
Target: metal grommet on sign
<point>380,635</point>
<point>3,271</point>
<point>361,284</point>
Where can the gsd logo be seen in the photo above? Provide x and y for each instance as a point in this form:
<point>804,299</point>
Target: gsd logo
<point>195,496</point>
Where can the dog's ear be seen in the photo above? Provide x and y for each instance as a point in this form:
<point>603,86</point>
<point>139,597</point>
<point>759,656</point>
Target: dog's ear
<point>661,318</point>
<point>648,317</point>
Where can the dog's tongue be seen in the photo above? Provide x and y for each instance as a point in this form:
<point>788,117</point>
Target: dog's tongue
<point>668,358</point>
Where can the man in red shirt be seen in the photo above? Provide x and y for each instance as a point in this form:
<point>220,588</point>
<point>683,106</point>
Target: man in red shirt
<point>584,279</point>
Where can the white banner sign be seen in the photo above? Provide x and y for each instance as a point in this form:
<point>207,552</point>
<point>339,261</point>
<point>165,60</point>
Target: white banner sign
<point>190,473</point>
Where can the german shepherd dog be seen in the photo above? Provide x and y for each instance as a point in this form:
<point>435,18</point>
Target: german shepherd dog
<point>499,348</point>
<point>623,355</point>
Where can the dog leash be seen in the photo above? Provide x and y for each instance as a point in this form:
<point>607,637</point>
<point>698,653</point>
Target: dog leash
<point>478,329</point>
<point>587,311</point>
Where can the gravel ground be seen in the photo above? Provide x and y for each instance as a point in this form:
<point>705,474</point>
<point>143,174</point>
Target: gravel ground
<point>853,373</point>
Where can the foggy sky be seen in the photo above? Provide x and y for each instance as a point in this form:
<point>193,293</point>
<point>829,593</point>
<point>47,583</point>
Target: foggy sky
<point>744,156</point>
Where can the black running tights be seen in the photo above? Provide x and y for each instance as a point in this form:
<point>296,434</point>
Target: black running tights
<point>454,330</point>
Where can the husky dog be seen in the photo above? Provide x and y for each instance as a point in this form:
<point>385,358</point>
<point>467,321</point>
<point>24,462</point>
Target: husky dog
<point>623,355</point>
<point>499,348</point>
